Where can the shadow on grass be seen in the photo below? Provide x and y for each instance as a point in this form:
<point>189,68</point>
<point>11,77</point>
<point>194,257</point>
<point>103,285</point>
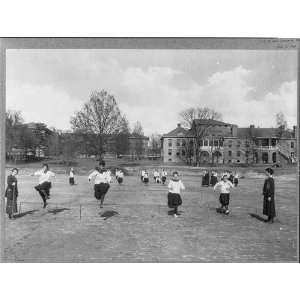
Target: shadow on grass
<point>108,214</point>
<point>57,210</point>
<point>258,217</point>
<point>29,212</point>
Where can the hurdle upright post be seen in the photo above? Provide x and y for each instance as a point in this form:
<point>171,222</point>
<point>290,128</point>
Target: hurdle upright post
<point>80,211</point>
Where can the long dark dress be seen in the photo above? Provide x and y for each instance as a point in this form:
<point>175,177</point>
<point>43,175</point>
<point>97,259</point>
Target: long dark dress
<point>205,179</point>
<point>269,191</point>
<point>11,194</point>
<point>213,180</point>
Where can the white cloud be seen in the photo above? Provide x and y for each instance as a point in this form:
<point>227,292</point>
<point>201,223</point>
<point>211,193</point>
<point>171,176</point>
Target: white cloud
<point>50,86</point>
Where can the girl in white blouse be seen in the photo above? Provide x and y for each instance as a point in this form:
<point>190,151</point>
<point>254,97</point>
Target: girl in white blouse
<point>44,185</point>
<point>102,179</point>
<point>224,186</point>
<point>174,199</point>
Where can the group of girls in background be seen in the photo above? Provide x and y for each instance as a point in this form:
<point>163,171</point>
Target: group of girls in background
<point>158,177</point>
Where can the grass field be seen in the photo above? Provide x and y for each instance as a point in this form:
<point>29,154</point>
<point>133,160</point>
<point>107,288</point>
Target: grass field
<point>134,225</point>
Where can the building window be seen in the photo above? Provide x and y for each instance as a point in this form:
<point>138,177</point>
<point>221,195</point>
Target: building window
<point>169,152</point>
<point>216,143</point>
<point>221,143</point>
<point>229,145</point>
<point>201,143</point>
<point>229,160</point>
<point>205,142</point>
<point>292,144</point>
<point>183,143</point>
<point>238,153</point>
<point>177,153</point>
<point>178,143</point>
<point>229,153</point>
<point>170,142</point>
<point>237,161</point>
<point>170,159</point>
<point>183,153</point>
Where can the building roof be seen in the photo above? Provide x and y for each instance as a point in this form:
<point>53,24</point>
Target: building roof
<point>177,132</point>
<point>210,122</point>
<point>262,133</point>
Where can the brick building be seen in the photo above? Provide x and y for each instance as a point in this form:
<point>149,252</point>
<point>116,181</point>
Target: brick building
<point>211,141</point>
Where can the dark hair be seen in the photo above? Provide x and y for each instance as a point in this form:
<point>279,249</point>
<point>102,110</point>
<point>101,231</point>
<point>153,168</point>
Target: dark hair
<point>102,163</point>
<point>15,169</point>
<point>175,173</point>
<point>270,171</point>
<point>46,165</point>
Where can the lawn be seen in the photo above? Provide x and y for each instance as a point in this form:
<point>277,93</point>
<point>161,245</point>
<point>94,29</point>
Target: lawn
<point>134,225</point>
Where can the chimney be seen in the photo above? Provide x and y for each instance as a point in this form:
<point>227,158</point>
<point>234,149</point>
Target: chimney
<point>178,125</point>
<point>252,130</point>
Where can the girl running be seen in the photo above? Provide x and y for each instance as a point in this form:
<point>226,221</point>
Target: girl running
<point>44,183</point>
<point>224,186</point>
<point>11,193</point>
<point>174,199</point>
<point>102,180</point>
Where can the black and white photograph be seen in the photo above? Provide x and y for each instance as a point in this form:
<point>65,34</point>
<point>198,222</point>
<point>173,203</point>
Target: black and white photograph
<point>160,150</point>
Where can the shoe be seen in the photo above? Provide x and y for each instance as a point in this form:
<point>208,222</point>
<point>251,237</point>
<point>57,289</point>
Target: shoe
<point>175,216</point>
<point>45,204</point>
<point>226,212</point>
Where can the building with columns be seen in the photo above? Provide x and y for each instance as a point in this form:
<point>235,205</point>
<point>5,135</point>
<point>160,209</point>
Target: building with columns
<point>211,141</point>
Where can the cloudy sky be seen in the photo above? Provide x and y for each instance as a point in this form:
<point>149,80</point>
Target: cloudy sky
<point>152,86</point>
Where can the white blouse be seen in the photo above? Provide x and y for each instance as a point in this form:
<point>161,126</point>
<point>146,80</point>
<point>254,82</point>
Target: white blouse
<point>44,177</point>
<point>223,186</point>
<point>100,177</point>
<point>175,186</point>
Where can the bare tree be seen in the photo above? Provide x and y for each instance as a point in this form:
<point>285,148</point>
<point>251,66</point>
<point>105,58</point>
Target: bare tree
<point>138,144</point>
<point>281,123</point>
<point>101,116</point>
<point>188,115</point>
<point>199,131</point>
<point>155,143</point>
<point>137,129</point>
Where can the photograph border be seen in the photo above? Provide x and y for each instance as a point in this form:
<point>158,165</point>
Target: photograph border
<point>131,43</point>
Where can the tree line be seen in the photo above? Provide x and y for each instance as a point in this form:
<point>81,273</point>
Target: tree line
<point>98,127</point>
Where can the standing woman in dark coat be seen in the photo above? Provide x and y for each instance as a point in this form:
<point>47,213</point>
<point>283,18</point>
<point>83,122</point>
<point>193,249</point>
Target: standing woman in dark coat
<point>11,193</point>
<point>269,192</point>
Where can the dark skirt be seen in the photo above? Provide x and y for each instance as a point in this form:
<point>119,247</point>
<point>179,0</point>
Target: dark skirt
<point>224,199</point>
<point>269,207</point>
<point>45,186</point>
<point>100,190</point>
<point>174,200</point>
<point>120,180</point>
<point>163,179</point>
<point>205,180</point>
<point>145,180</point>
<point>71,180</point>
<point>213,180</point>
<point>11,204</point>
<point>235,181</point>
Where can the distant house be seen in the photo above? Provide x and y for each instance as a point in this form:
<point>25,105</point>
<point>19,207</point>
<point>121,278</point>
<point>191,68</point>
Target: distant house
<point>211,141</point>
